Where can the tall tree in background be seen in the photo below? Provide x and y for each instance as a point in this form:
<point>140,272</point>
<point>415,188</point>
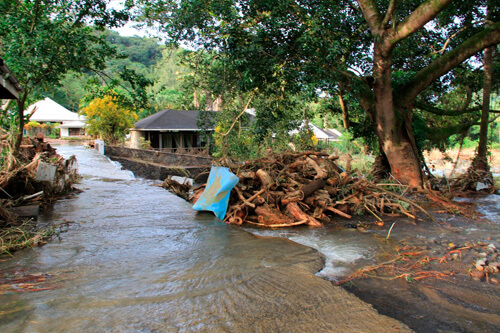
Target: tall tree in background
<point>41,40</point>
<point>382,52</point>
<point>480,165</point>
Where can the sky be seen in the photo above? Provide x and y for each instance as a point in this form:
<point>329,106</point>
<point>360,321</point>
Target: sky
<point>129,29</point>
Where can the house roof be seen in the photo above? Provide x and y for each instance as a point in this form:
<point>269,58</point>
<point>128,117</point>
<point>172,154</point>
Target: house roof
<point>48,110</point>
<point>174,120</point>
<point>320,133</point>
<point>73,124</point>
<point>9,86</point>
<point>333,134</point>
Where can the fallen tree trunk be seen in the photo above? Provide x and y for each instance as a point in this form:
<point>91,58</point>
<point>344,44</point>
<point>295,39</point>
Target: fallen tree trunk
<point>299,215</point>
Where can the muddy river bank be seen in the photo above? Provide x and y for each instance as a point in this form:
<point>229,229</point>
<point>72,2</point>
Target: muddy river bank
<point>430,287</point>
<point>452,300</point>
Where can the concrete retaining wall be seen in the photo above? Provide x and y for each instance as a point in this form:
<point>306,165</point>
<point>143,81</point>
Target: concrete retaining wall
<point>156,171</point>
<point>168,159</point>
<point>157,165</point>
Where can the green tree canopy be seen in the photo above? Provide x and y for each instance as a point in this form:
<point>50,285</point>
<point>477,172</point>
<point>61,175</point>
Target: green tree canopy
<point>387,55</point>
<point>43,40</point>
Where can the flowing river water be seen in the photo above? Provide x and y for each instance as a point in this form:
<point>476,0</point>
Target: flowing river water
<point>136,258</point>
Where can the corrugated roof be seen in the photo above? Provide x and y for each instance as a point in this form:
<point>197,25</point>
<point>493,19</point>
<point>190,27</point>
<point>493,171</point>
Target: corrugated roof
<point>9,86</point>
<point>48,110</point>
<point>173,120</point>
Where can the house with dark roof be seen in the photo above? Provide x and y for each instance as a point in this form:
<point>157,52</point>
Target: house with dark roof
<point>9,86</point>
<point>175,130</point>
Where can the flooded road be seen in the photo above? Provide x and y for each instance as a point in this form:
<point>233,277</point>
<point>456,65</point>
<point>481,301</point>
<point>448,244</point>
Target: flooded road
<point>136,258</point>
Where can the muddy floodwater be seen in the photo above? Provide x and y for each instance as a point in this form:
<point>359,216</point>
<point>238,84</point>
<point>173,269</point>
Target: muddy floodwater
<point>134,258</point>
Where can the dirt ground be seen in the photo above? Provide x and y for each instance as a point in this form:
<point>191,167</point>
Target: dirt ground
<point>435,286</point>
<point>437,160</point>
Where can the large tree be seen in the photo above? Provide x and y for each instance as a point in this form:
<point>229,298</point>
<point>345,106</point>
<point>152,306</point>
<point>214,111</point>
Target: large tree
<point>41,40</point>
<point>383,53</point>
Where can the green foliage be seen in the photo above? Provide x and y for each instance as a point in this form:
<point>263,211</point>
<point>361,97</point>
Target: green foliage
<point>305,140</point>
<point>286,48</point>
<point>467,142</point>
<point>144,144</point>
<point>32,124</point>
<point>129,90</point>
<point>170,90</point>
<point>147,76</point>
<point>144,52</point>
<point>345,144</point>
<point>44,40</point>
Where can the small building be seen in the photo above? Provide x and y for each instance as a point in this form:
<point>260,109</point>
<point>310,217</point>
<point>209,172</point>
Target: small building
<point>9,86</point>
<point>331,134</point>
<point>48,112</point>
<point>175,130</point>
<point>72,128</point>
<point>322,134</point>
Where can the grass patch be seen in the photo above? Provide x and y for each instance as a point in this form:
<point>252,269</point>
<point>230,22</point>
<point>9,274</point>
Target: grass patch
<point>74,138</point>
<point>25,235</point>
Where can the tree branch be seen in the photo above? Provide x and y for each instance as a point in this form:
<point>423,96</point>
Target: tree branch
<point>448,61</point>
<point>372,16</point>
<point>445,46</point>
<point>441,133</point>
<point>252,94</point>
<point>422,15</point>
<point>388,14</point>
<point>432,109</point>
<point>356,9</point>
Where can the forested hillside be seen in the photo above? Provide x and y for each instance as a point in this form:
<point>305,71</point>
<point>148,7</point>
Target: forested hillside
<point>145,57</point>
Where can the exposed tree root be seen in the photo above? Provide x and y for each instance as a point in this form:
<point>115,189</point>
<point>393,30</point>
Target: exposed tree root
<point>477,178</point>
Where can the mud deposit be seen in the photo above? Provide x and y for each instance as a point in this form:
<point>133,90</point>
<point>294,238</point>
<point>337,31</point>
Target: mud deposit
<point>456,301</point>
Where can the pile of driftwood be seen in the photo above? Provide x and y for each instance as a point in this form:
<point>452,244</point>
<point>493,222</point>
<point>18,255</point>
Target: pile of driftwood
<point>282,190</point>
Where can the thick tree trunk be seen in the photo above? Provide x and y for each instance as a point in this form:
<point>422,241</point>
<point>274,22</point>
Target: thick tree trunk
<point>481,162</point>
<point>396,137</point>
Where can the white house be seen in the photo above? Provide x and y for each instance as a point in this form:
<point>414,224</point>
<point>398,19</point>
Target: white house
<point>322,134</point>
<point>48,111</point>
<point>72,128</point>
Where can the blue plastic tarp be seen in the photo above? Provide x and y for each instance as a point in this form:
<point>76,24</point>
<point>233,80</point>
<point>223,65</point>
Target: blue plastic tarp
<point>215,198</point>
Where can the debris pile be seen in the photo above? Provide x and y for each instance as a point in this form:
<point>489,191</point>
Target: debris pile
<point>488,265</point>
<point>38,168</point>
<point>415,263</point>
<point>180,190</point>
<point>37,175</point>
<point>288,189</point>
